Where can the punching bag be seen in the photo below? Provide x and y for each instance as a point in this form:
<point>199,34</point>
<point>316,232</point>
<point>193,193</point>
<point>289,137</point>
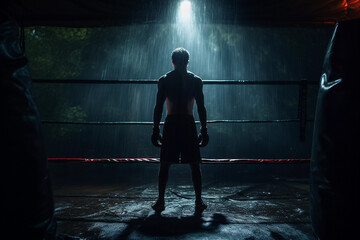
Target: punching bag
<point>334,177</point>
<point>27,207</point>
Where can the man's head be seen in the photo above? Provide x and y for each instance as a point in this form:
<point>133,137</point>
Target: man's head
<point>180,58</point>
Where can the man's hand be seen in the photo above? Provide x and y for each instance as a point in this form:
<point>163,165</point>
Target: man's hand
<point>203,137</point>
<point>156,137</point>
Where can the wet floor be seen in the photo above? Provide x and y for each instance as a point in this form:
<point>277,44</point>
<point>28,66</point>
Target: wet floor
<point>267,208</point>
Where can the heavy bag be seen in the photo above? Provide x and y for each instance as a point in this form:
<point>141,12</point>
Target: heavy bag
<point>27,199</point>
<point>334,167</point>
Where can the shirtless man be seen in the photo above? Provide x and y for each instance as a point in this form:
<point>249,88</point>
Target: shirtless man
<point>179,89</point>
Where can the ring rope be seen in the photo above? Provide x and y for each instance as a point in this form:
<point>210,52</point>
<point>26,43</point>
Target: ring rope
<point>204,160</point>
<point>162,123</point>
<point>153,81</point>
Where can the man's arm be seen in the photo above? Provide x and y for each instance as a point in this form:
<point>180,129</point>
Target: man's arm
<point>199,97</point>
<point>160,99</point>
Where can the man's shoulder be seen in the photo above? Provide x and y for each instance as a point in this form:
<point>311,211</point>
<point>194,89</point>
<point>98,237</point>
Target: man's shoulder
<point>166,75</point>
<point>162,79</point>
<point>194,76</point>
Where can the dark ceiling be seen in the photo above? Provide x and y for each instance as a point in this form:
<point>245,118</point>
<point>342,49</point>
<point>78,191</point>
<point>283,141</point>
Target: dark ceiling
<point>92,13</point>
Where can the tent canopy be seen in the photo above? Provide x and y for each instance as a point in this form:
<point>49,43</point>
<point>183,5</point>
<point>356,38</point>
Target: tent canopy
<point>95,13</point>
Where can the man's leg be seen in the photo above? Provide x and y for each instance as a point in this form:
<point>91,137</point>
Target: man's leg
<point>163,178</point>
<point>200,206</point>
<point>196,178</point>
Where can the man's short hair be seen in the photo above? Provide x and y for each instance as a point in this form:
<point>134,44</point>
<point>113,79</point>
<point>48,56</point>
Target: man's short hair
<point>180,57</point>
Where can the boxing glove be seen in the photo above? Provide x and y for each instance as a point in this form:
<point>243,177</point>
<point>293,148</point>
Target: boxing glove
<point>156,137</point>
<point>203,137</point>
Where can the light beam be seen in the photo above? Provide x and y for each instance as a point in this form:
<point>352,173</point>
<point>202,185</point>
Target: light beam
<point>185,11</point>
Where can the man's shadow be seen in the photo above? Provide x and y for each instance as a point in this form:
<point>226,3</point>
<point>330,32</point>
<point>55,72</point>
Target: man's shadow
<point>157,225</point>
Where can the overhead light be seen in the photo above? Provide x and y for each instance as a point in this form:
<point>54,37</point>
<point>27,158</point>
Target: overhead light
<point>185,12</point>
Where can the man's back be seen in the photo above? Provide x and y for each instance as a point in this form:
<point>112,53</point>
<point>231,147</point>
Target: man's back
<point>180,89</point>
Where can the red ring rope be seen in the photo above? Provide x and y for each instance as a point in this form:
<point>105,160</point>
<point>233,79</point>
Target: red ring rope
<point>204,160</point>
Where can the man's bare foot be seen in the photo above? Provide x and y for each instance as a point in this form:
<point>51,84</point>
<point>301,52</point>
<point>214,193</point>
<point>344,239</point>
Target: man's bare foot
<point>159,206</point>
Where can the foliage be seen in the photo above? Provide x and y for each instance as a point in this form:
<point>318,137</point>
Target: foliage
<point>72,114</point>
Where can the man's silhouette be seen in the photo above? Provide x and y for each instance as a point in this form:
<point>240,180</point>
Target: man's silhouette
<point>179,88</point>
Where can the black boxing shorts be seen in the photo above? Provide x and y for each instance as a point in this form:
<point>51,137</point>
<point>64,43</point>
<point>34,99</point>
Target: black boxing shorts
<point>180,140</point>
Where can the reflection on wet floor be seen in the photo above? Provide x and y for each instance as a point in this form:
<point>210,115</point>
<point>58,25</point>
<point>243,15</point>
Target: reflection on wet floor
<point>277,209</point>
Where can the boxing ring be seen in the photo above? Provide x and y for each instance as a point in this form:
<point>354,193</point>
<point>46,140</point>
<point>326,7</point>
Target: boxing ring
<point>110,198</point>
